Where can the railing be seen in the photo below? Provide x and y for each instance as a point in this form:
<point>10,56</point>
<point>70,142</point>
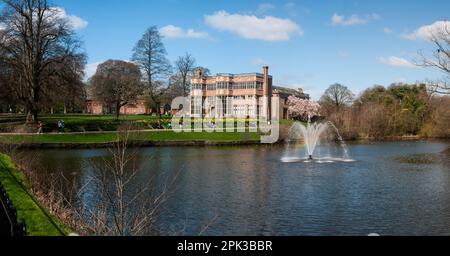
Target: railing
<point>16,228</point>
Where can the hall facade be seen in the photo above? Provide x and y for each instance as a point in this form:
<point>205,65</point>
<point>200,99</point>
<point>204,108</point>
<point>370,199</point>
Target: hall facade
<point>248,95</point>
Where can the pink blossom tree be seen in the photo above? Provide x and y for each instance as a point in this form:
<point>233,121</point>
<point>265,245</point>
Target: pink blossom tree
<point>302,108</point>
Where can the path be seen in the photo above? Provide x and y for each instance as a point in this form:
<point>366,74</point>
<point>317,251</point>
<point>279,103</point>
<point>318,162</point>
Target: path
<point>111,132</point>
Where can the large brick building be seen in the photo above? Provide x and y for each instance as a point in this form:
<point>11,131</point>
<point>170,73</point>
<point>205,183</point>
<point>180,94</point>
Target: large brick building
<point>239,95</point>
<point>96,107</point>
<point>222,95</point>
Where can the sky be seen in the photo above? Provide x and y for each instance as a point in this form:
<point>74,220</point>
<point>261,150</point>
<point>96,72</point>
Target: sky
<point>307,44</point>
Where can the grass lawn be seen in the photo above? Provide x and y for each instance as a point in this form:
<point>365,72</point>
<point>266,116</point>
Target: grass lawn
<point>156,136</point>
<point>84,122</point>
<point>38,222</point>
<point>81,123</point>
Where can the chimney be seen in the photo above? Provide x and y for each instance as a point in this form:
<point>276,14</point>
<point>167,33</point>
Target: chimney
<point>266,81</point>
<point>267,92</point>
<point>198,73</point>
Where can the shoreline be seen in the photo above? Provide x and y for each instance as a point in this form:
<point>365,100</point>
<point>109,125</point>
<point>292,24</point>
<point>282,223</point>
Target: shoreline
<point>138,144</point>
<point>198,143</point>
<point>38,219</point>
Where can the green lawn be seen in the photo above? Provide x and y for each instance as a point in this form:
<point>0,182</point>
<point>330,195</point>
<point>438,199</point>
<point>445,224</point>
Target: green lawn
<point>84,122</point>
<point>156,136</point>
<point>37,221</point>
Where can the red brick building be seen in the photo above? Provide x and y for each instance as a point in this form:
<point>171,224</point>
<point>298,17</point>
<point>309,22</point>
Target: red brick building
<point>239,95</point>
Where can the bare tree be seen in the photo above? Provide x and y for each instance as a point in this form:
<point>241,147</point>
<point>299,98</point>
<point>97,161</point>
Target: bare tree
<point>205,71</point>
<point>176,87</point>
<point>185,66</point>
<point>336,96</point>
<point>118,83</point>
<point>131,208</point>
<point>440,58</point>
<point>118,198</point>
<point>151,56</point>
<point>39,51</point>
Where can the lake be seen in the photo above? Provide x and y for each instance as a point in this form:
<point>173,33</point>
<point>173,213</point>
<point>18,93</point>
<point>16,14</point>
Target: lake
<point>392,188</point>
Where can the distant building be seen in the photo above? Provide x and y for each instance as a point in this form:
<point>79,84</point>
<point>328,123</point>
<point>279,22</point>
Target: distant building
<point>239,95</point>
<point>97,107</point>
<point>222,95</point>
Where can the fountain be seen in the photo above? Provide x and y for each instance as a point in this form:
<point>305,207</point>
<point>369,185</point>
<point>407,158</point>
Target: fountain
<point>310,135</point>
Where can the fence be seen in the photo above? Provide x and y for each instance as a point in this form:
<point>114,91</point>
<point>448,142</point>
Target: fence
<point>16,228</point>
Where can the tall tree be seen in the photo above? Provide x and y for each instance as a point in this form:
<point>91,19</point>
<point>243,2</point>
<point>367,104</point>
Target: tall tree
<point>185,66</point>
<point>440,58</point>
<point>151,56</point>
<point>117,83</point>
<point>39,49</point>
<point>337,96</point>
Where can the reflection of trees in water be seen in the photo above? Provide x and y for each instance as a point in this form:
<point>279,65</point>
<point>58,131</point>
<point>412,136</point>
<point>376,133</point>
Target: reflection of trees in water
<point>111,195</point>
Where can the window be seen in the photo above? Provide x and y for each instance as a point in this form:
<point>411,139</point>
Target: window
<point>197,106</point>
<point>223,86</point>
<point>259,85</point>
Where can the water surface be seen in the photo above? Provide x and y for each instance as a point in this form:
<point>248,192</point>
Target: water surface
<point>252,192</point>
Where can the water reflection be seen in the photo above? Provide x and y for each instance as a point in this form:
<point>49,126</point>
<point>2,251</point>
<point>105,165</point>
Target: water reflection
<point>253,193</point>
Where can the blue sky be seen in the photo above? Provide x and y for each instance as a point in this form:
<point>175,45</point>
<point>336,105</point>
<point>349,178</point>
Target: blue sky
<point>308,44</point>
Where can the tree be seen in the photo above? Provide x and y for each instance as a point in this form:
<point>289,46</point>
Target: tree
<point>38,51</point>
<point>205,71</point>
<point>336,96</point>
<point>150,54</point>
<point>176,82</point>
<point>117,83</point>
<point>302,108</point>
<point>185,67</point>
<point>440,58</point>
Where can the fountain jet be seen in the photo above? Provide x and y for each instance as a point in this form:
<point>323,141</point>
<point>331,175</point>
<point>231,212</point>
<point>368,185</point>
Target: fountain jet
<point>311,134</point>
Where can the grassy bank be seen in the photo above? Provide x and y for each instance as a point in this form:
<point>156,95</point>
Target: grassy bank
<point>153,136</point>
<point>90,123</point>
<point>79,122</point>
<point>39,222</point>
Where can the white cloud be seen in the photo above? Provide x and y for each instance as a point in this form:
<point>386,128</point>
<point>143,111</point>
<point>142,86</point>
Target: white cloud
<point>251,27</point>
<point>264,7</point>
<point>427,32</point>
<point>90,69</point>
<point>172,31</point>
<point>75,22</point>
<point>396,62</point>
<point>341,20</point>
<point>388,30</point>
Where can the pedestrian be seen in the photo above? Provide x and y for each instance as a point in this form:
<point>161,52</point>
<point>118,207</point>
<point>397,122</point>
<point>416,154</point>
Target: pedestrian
<point>63,125</point>
<point>40,128</point>
<point>59,126</point>
<point>159,125</point>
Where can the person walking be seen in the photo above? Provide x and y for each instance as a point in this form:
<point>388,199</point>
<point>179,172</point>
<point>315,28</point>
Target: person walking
<point>63,125</point>
<point>59,126</point>
<point>40,128</point>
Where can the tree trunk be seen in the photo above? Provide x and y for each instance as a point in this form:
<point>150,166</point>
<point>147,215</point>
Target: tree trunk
<point>158,110</point>
<point>118,107</point>
<point>30,118</point>
<point>184,86</point>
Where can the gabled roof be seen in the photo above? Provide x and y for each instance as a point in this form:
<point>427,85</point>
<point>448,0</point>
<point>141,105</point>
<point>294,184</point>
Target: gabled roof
<point>286,92</point>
